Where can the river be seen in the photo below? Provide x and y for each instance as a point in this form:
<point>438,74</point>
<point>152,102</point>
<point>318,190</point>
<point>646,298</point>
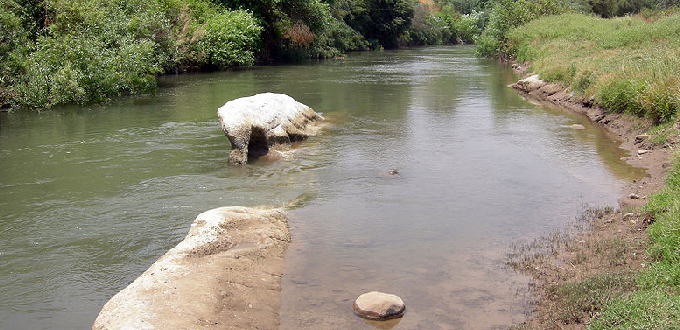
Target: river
<point>90,196</point>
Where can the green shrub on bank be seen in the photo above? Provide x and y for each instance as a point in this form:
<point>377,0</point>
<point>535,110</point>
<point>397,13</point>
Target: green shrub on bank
<point>93,50</point>
<point>13,48</point>
<point>230,39</point>
<point>443,26</point>
<point>627,64</point>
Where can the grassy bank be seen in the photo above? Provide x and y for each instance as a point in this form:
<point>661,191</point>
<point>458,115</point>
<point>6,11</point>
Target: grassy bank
<point>629,65</point>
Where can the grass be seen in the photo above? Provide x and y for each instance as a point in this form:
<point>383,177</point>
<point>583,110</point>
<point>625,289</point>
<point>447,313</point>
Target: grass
<point>628,64</point>
<point>585,299</point>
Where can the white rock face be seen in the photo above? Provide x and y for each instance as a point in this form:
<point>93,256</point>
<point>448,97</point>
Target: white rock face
<point>255,123</point>
<point>225,274</point>
<point>379,306</point>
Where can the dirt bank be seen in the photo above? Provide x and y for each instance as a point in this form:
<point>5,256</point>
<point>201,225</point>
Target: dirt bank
<point>225,274</point>
<point>573,269</point>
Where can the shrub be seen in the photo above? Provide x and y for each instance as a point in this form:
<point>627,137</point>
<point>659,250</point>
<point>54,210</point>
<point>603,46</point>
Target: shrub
<point>13,49</point>
<point>230,39</point>
<point>426,29</point>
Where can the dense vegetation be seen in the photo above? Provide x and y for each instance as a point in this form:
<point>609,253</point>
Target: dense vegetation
<point>80,51</point>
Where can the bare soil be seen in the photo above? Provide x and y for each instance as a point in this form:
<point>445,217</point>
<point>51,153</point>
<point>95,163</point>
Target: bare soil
<point>606,242</point>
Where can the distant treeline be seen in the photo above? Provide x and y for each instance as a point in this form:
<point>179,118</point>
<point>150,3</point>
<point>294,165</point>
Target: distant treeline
<point>81,51</point>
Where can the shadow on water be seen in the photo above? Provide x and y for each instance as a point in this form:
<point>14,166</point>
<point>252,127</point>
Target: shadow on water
<point>91,196</point>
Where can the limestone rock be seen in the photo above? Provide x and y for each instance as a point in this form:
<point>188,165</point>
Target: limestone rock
<point>253,124</point>
<point>379,306</point>
<point>225,274</point>
<point>529,84</point>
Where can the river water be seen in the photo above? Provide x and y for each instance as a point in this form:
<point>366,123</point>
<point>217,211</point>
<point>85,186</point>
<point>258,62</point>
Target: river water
<point>92,196</point>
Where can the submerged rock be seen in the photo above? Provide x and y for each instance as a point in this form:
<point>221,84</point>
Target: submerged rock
<point>376,305</point>
<point>577,126</point>
<point>225,274</point>
<point>253,124</point>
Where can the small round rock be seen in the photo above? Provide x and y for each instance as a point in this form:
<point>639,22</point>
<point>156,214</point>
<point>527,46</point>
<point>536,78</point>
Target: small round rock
<point>376,305</point>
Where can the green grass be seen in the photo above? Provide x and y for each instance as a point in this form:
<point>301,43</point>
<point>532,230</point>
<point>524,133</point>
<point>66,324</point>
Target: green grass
<point>656,303</point>
<point>584,299</point>
<point>628,64</point>
<point>654,309</point>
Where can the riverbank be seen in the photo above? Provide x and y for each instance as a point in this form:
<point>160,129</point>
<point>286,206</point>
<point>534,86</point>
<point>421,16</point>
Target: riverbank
<point>593,274</point>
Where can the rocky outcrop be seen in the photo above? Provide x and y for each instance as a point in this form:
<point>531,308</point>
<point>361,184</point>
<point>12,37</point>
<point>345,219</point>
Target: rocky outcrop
<point>224,275</point>
<point>376,305</point>
<point>253,124</point>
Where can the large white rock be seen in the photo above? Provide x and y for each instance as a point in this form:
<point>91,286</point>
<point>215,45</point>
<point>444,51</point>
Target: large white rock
<point>255,123</point>
<point>376,305</point>
<point>225,274</point>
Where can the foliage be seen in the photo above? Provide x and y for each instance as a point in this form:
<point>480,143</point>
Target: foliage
<point>442,26</point>
<point>93,50</point>
<point>59,51</point>
<point>508,14</point>
<point>230,38</point>
<point>464,7</point>
<point>426,29</point>
<point>463,28</point>
<point>13,48</point>
<point>382,22</point>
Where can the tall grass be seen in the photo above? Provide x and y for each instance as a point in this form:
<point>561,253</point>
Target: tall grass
<point>627,64</point>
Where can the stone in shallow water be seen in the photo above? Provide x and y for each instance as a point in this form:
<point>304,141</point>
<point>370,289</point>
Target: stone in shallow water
<point>379,306</point>
<point>255,123</point>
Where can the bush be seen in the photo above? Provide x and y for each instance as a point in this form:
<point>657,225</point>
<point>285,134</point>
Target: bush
<point>230,39</point>
<point>93,50</point>
<point>461,27</point>
<point>382,22</point>
<point>13,49</point>
<point>426,29</point>
<point>507,14</point>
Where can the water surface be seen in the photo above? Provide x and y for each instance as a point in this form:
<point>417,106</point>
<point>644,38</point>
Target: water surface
<point>91,196</point>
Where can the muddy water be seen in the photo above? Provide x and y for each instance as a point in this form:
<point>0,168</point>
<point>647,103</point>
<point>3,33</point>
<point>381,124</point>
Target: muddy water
<point>91,196</point>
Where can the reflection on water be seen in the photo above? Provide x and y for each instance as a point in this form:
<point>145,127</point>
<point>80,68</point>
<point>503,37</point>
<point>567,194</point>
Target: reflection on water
<point>91,196</point>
